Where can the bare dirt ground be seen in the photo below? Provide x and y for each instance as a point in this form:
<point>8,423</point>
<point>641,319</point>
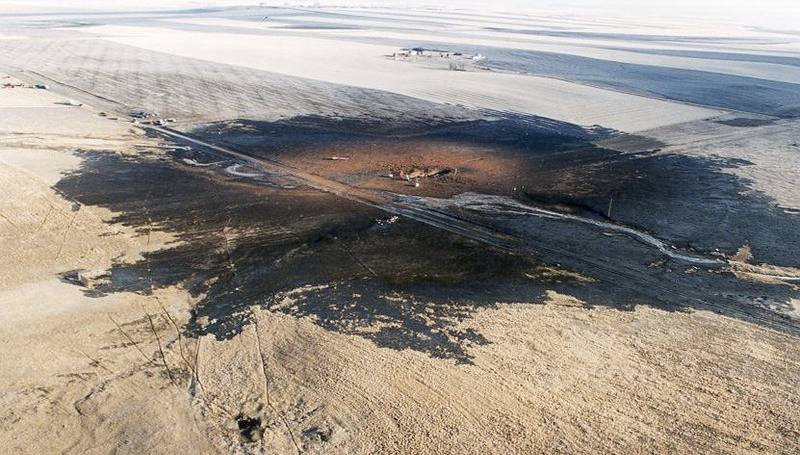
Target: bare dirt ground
<point>230,310</point>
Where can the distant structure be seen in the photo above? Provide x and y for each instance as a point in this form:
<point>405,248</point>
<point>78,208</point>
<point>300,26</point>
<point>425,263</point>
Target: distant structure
<point>457,61</point>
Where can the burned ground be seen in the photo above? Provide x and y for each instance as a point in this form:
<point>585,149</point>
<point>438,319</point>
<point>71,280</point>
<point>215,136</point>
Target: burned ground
<point>692,203</point>
<point>407,285</point>
<point>244,245</point>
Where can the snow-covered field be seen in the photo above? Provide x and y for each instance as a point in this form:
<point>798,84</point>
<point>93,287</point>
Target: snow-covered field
<point>368,65</point>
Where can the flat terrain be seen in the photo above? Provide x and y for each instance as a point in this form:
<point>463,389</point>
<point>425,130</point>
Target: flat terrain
<point>583,243</point>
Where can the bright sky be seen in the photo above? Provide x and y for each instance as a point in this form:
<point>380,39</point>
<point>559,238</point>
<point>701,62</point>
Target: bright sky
<point>780,13</point>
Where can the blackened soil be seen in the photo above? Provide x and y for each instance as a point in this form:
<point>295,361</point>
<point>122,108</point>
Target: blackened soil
<point>407,285</point>
<point>691,202</point>
<point>250,429</point>
<point>242,245</point>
